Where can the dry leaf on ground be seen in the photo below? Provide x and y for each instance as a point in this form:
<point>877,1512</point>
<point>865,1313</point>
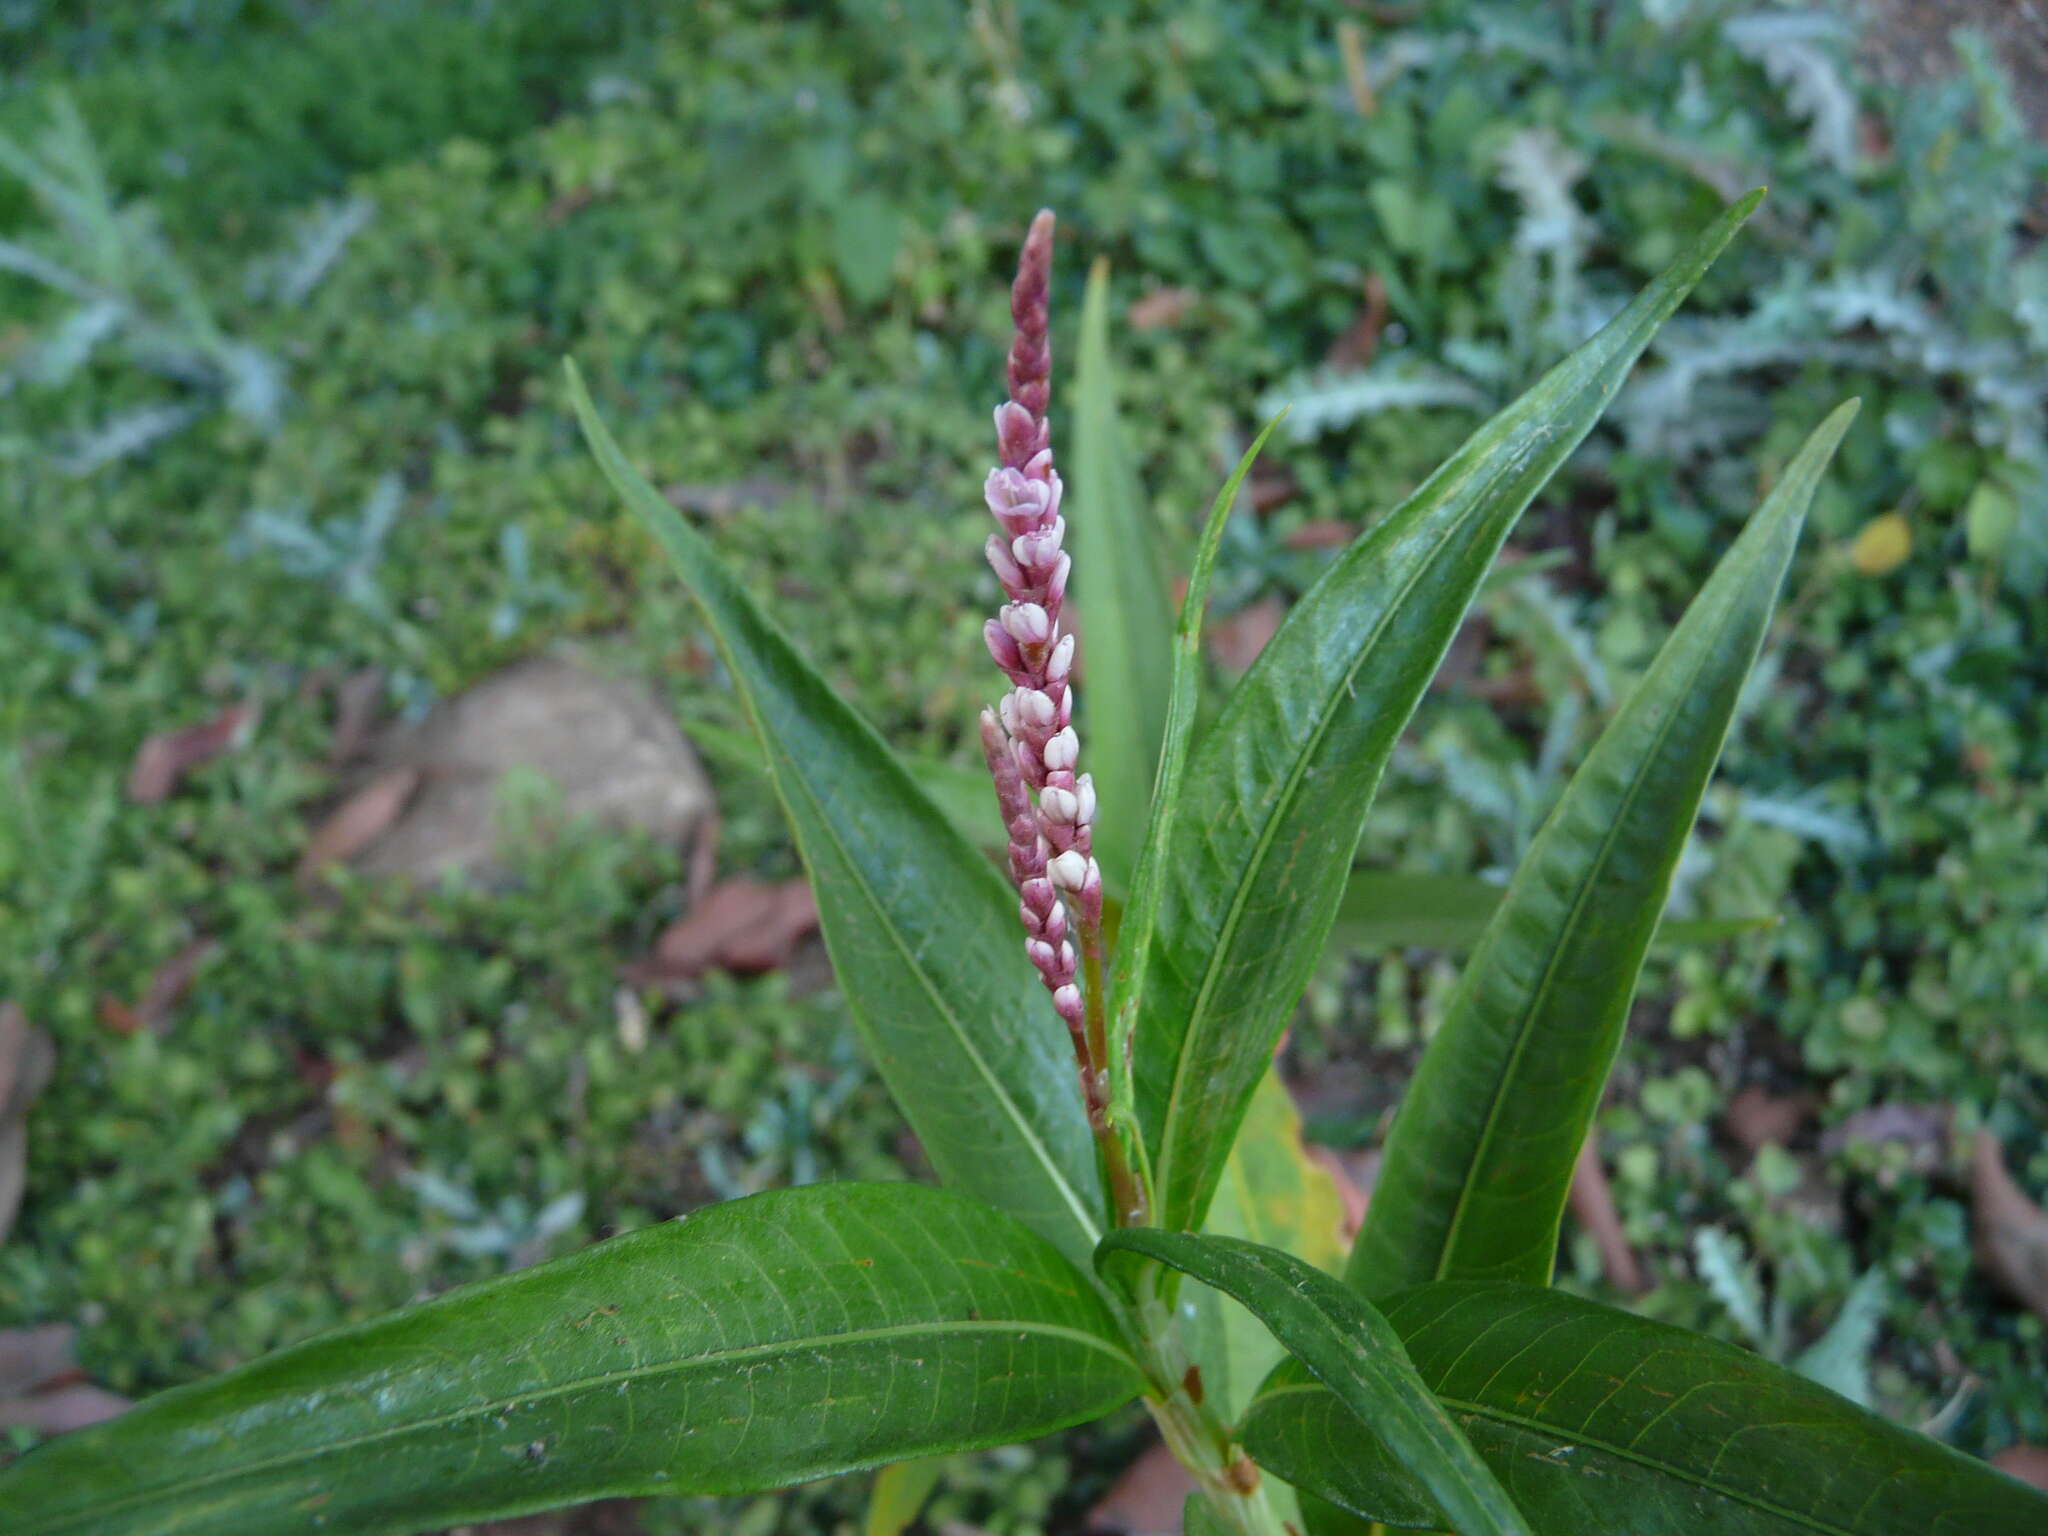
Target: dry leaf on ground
<point>167,988</point>
<point>1593,1204</point>
<point>1756,1117</point>
<point>1147,1499</point>
<point>742,925</point>
<point>2011,1231</point>
<point>41,1386</point>
<point>168,756</point>
<point>359,820</point>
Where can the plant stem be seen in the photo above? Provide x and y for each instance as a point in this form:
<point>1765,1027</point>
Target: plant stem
<point>1126,1190</point>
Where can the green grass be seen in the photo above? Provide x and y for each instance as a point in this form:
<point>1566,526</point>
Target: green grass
<point>776,245</point>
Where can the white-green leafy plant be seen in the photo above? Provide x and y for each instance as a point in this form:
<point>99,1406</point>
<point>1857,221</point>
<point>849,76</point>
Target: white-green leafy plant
<point>1437,1383</point>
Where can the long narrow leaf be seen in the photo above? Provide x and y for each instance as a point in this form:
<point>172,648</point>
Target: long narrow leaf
<point>1599,1421</point>
<point>922,928</point>
<point>1120,593</point>
<point>1480,1160</point>
<point>1347,1346</point>
<point>1277,792</point>
<point>766,1342</point>
<point>1134,937</point>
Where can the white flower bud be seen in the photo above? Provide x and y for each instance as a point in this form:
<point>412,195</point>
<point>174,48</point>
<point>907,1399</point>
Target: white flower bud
<point>1006,706</point>
<point>1084,793</point>
<point>1026,623</point>
<point>1038,549</point>
<point>1059,805</point>
<point>1066,1003</point>
<point>1035,708</point>
<point>1061,662</point>
<point>1062,749</point>
<point>1068,870</point>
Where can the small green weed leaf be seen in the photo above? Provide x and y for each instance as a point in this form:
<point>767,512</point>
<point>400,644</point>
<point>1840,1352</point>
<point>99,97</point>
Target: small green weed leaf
<point>1339,1338</point>
<point>1600,1421</point>
<point>753,1345</point>
<point>1120,593</point>
<point>1277,791</point>
<point>922,928</point>
<point>1480,1159</point>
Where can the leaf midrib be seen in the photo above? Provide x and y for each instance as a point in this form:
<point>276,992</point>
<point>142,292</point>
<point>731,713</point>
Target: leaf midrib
<point>1268,830</point>
<point>1524,1030</point>
<point>1607,1447</point>
<point>100,1510</point>
<point>1089,1228</point>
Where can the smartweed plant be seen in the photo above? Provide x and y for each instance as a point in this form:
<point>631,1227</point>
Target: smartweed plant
<point>1438,1382</point>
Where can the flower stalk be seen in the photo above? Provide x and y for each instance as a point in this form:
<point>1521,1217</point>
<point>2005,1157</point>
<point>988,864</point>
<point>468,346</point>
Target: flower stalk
<point>1033,752</point>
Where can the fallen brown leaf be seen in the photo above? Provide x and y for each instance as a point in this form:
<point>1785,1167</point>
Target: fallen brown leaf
<point>1160,307</point>
<point>2011,1231</point>
<point>41,1386</point>
<point>743,925</point>
<point>167,988</point>
<point>1757,1117</point>
<point>1236,640</point>
<point>359,820</point>
<point>1593,1204</point>
<point>1322,533</point>
<point>168,756</point>
<point>1147,1499</point>
<point>1271,486</point>
<point>2028,1463</point>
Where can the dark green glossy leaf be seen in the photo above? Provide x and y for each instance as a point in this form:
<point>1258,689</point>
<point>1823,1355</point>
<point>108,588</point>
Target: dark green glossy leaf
<point>1276,793</point>
<point>1480,1159</point>
<point>1393,909</point>
<point>1601,1422</point>
<point>1337,1336</point>
<point>1134,935</point>
<point>1120,592</point>
<point>922,928</point>
<point>753,1345</point>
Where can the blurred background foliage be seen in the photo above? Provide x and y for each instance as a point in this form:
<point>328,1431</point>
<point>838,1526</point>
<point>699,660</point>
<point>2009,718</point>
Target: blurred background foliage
<point>283,293</point>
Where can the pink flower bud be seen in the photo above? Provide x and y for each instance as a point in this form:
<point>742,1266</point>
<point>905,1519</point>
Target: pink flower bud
<point>1061,662</point>
<point>1056,584</point>
<point>1039,548</point>
<point>1063,749</point>
<point>1026,623</point>
<point>1066,1003</point>
<point>1017,432</point>
<point>1004,649</point>
<point>1034,708</point>
<point>1007,570</point>
<point>1069,870</point>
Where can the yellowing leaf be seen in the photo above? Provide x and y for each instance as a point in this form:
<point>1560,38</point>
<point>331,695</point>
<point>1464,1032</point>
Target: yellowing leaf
<point>1883,545</point>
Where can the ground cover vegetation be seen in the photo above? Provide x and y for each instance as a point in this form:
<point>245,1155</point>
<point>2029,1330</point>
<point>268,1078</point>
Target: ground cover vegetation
<point>306,420</point>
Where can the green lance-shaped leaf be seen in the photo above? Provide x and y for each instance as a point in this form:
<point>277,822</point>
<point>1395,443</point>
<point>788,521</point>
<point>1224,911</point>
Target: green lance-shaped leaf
<point>1120,592</point>
<point>1480,1160</point>
<point>1600,1421</point>
<point>1141,917</point>
<point>770,1341</point>
<point>1277,791</point>
<point>922,928</point>
<point>1337,1336</point>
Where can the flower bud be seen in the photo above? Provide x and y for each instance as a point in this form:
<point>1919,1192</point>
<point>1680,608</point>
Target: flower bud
<point>1039,548</point>
<point>1016,432</point>
<point>1056,583</point>
<point>1035,709</point>
<point>1004,649</point>
<point>1000,560</point>
<point>1069,871</point>
<point>1026,623</point>
<point>1066,1003</point>
<point>1059,805</point>
<point>1084,795</point>
<point>1061,662</point>
<point>1063,749</point>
